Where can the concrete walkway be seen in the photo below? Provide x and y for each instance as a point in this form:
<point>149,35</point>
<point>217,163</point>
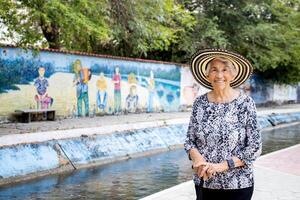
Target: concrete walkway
<point>277,177</point>
<point>87,122</point>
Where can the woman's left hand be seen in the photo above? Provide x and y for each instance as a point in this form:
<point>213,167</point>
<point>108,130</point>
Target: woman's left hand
<point>209,169</point>
<point>212,168</point>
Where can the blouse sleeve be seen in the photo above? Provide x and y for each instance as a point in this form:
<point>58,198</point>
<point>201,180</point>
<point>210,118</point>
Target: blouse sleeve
<point>253,143</point>
<point>190,135</point>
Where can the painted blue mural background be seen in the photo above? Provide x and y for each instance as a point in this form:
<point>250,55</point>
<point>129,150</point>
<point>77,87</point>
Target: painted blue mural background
<point>21,67</point>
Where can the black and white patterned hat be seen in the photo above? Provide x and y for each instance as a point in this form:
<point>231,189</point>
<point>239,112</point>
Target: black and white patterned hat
<point>200,60</point>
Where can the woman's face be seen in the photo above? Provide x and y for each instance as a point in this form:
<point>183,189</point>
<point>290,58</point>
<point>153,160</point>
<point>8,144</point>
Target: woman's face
<point>220,75</point>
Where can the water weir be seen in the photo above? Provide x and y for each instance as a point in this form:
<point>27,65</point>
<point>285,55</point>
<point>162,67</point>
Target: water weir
<point>23,161</point>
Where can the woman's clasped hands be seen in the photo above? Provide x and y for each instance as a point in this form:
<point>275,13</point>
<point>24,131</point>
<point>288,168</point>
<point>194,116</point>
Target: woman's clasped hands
<point>207,170</point>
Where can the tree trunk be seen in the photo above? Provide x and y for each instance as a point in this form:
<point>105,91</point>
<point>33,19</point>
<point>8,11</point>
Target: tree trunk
<point>51,33</point>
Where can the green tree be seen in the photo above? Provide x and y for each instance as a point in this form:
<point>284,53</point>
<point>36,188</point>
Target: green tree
<point>266,32</point>
<point>56,23</point>
<point>273,44</point>
<point>140,27</point>
<point>118,27</point>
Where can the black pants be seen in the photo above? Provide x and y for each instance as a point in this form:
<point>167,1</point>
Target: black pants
<point>213,194</point>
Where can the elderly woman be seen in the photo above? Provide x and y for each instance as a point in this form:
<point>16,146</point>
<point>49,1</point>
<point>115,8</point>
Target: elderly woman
<point>223,138</point>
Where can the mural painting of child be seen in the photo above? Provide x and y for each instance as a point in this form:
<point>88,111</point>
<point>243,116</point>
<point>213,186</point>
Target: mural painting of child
<point>42,99</point>
<point>101,93</point>
<point>132,98</point>
<point>151,89</point>
<point>117,91</point>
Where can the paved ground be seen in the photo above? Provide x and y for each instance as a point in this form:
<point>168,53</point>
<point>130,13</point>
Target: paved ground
<point>277,177</point>
<point>285,160</point>
<point>75,123</point>
<point>87,122</point>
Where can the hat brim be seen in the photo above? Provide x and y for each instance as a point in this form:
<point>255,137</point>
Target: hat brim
<point>200,60</point>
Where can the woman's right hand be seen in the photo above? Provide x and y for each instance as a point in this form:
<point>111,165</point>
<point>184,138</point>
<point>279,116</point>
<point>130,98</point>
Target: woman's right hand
<point>198,167</point>
<point>198,162</point>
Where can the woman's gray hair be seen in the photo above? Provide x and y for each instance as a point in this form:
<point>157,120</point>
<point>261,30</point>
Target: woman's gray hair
<point>224,60</point>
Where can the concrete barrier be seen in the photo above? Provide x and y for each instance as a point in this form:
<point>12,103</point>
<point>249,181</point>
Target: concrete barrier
<point>18,162</point>
<point>25,161</point>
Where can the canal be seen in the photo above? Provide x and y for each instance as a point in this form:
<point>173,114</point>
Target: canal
<point>131,179</point>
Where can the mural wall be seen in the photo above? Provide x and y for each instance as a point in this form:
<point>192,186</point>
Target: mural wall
<point>262,91</point>
<point>190,89</point>
<point>79,85</point>
<point>84,85</point>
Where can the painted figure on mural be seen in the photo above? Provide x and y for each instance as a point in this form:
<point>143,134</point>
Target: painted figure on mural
<point>132,80</point>
<point>190,92</point>
<point>132,98</point>
<point>151,89</point>
<point>117,91</point>
<point>101,93</point>
<point>246,87</point>
<point>42,99</point>
<point>81,79</point>
<point>195,89</point>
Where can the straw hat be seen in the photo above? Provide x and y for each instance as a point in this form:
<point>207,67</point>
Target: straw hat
<point>201,59</point>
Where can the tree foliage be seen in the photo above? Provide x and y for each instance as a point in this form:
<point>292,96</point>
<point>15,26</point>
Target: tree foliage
<point>267,32</point>
<point>56,23</point>
<point>144,26</point>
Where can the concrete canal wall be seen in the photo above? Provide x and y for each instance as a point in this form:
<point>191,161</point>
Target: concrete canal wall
<point>46,153</point>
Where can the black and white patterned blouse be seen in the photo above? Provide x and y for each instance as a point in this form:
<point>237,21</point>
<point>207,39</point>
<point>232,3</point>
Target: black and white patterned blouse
<point>223,130</point>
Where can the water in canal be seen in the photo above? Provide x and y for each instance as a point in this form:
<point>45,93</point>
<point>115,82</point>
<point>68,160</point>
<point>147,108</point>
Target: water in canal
<point>131,179</point>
